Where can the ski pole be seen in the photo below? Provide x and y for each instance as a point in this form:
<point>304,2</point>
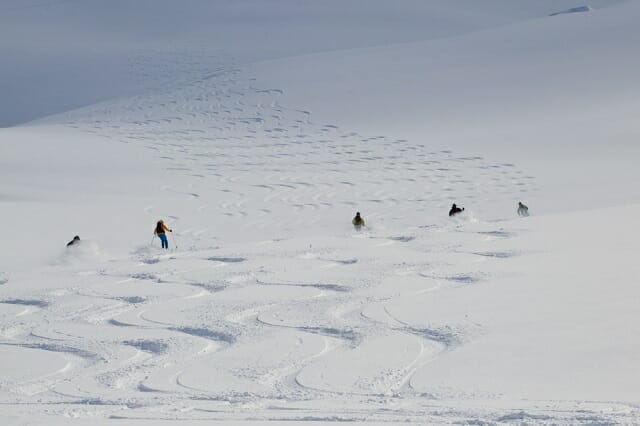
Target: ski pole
<point>152,238</point>
<point>175,241</point>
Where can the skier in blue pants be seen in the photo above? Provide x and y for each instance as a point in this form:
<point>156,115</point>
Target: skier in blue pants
<point>160,231</point>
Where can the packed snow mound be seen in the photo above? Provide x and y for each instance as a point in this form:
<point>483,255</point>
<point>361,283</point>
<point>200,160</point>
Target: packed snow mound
<point>579,9</point>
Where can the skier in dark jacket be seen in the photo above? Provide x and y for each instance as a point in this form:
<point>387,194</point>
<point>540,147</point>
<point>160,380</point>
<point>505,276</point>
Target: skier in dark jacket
<point>74,242</point>
<point>523,211</point>
<point>455,210</point>
<point>358,221</point>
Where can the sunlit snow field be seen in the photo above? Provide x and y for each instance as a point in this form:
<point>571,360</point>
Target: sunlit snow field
<point>256,130</point>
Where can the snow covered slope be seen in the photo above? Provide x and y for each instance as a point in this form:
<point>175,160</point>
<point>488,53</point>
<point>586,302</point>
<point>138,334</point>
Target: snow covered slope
<point>558,95</point>
<point>269,307</point>
<point>59,55</point>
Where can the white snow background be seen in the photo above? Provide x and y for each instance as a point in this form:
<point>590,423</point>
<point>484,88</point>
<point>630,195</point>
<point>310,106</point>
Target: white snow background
<point>256,129</point>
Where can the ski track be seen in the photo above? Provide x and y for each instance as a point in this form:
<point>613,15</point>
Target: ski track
<point>178,323</point>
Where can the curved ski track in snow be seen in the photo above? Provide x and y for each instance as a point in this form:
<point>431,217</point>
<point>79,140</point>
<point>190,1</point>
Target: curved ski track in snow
<point>256,329</point>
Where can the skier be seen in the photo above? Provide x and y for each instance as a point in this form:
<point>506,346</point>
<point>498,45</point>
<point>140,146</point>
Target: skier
<point>160,230</point>
<point>358,221</point>
<point>455,210</point>
<point>74,242</point>
<point>523,211</point>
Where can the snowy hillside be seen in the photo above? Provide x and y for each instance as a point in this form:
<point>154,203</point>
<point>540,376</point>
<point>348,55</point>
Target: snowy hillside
<point>64,54</point>
<point>256,130</point>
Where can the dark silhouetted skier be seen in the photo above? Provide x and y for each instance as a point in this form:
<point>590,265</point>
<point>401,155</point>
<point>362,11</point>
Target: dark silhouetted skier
<point>523,211</point>
<point>74,242</point>
<point>358,221</point>
<point>455,210</point>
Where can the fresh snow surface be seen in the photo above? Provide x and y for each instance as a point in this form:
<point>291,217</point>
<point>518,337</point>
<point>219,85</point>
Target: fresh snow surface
<point>257,147</point>
<point>62,54</point>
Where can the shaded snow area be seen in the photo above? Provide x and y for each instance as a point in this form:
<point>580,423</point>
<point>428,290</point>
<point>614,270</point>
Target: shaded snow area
<point>256,135</point>
<point>579,9</point>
